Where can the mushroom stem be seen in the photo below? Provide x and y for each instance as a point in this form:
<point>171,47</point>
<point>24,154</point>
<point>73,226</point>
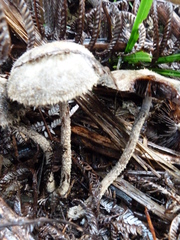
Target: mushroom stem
<point>129,149</point>
<point>47,150</point>
<point>66,145</point>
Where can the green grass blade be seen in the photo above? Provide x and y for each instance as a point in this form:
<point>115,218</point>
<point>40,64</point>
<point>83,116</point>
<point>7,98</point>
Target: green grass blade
<point>167,72</point>
<point>169,59</point>
<point>138,57</point>
<point>143,11</point>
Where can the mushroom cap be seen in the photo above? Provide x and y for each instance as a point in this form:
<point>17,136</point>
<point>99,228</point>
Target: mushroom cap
<point>52,73</point>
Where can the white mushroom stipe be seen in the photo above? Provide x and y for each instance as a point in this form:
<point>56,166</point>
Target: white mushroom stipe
<point>55,73</point>
<point>66,143</point>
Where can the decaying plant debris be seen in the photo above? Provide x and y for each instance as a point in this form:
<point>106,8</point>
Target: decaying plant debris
<point>144,201</point>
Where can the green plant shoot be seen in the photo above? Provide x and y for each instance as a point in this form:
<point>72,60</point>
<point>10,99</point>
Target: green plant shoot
<point>142,13</point>
<point>169,59</point>
<point>167,72</point>
<point>138,57</point>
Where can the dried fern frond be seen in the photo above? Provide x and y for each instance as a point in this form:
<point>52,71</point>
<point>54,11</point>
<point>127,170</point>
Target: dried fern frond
<point>125,223</point>
<point>13,176</point>
<point>167,30</point>
<point>80,21</point>
<point>143,199</point>
<point>129,224</point>
<point>49,18</point>
<point>36,9</point>
<point>15,21</point>
<point>113,13</point>
<point>174,228</point>
<point>156,31</point>
<point>46,148</point>
<point>153,187</point>
<point>62,15</point>
<point>135,6</point>
<point>28,22</point>
<point>92,226</point>
<point>123,5</point>
<point>4,37</point>
<point>96,27</point>
<point>53,232</point>
<point>15,231</point>
<point>142,31</point>
<point>94,184</point>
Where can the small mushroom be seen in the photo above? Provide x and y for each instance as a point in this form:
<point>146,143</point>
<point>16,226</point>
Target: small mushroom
<point>5,116</point>
<point>147,84</point>
<point>130,80</point>
<point>55,73</point>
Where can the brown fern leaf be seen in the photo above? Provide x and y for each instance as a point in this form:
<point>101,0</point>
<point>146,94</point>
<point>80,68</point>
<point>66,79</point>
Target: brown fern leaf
<point>142,31</point>
<point>105,7</point>
<point>48,18</point>
<point>114,231</point>
<point>5,141</point>
<point>93,182</point>
<point>116,26</point>
<point>89,21</point>
<point>80,22</point>
<point>58,14</point>
<point>38,16</point>
<point>92,220</point>
<point>176,45</point>
<point>12,176</point>
<point>167,30</point>
<point>123,5</point>
<point>156,31</point>
<point>63,19</point>
<point>4,37</point>
<point>53,232</point>
<point>55,16</point>
<point>94,185</point>
<point>125,223</point>
<point>129,224</point>
<point>105,219</point>
<point>96,27</point>
<point>28,21</point>
<point>111,207</point>
<point>135,7</point>
<point>170,194</point>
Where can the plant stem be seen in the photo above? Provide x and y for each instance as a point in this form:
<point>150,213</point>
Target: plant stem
<point>129,149</point>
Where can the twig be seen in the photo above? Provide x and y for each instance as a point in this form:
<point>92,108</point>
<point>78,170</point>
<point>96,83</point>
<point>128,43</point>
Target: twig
<point>150,224</point>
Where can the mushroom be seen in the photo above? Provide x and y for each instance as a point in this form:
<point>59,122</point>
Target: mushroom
<point>55,73</point>
<point>5,116</point>
<point>129,80</point>
<point>148,84</point>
